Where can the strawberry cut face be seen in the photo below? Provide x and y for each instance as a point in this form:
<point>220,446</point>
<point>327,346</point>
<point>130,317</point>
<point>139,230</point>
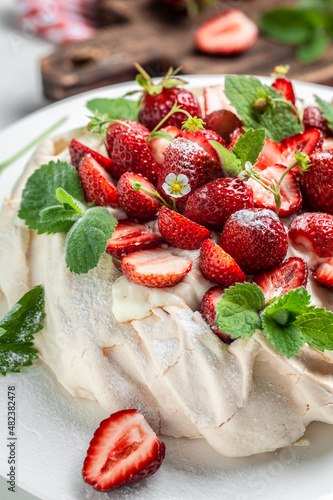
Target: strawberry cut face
<point>123,450</point>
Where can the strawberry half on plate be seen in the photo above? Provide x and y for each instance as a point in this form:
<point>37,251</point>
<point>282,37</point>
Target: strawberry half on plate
<point>124,450</point>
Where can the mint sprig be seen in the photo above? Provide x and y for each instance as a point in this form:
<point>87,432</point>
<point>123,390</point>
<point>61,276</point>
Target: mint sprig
<point>17,329</point>
<point>52,202</point>
<point>247,148</point>
<point>278,120</point>
<point>288,321</point>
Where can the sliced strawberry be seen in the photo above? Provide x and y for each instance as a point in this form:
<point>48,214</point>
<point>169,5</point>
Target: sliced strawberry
<point>306,142</point>
<point>324,273</point>
<point>279,280</point>
<point>179,231</point>
<point>290,192</point>
<point>208,310</point>
<point>230,32</point>
<point>124,450</point>
<point>117,128</point>
<point>285,86</point>
<point>327,143</point>
<point>97,183</point>
<point>138,205</point>
<point>313,231</point>
<point>215,100</point>
<point>235,136</point>
<point>218,267</point>
<point>78,151</point>
<point>130,236</point>
<point>155,268</point>
<point>270,155</point>
<point>159,145</point>
<point>202,138</point>
<point>224,123</point>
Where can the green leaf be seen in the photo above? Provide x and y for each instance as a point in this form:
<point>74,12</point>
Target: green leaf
<point>279,122</point>
<point>314,48</point>
<point>87,240</point>
<point>326,109</point>
<point>317,328</point>
<point>161,134</point>
<point>121,108</point>
<point>169,83</point>
<point>66,199</point>
<point>286,25</point>
<point>40,193</point>
<point>249,146</point>
<point>231,165</point>
<point>287,339</point>
<point>17,328</point>
<point>319,5</point>
<point>237,310</point>
<point>295,302</point>
<point>53,215</point>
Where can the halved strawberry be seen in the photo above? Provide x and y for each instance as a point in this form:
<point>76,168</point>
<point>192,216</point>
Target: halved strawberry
<point>97,184</point>
<point>306,142</point>
<point>130,236</point>
<point>224,122</point>
<point>208,310</point>
<point>159,145</point>
<point>290,192</point>
<point>202,138</point>
<point>124,450</point>
<point>78,151</point>
<point>230,32</point>
<point>180,231</point>
<point>218,267</point>
<point>285,86</point>
<point>313,231</point>
<point>155,268</point>
<point>215,99</point>
<point>270,155</point>
<point>324,273</point>
<point>279,280</point>
<point>137,205</point>
<point>235,136</point>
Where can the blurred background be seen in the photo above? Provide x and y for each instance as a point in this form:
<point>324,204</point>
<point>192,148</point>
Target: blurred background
<point>52,49</point>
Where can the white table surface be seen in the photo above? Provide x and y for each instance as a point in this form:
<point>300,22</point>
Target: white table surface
<point>20,81</point>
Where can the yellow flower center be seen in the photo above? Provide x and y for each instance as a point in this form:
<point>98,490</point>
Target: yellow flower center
<point>176,187</point>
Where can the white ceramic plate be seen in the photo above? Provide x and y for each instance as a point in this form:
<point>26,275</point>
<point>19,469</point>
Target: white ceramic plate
<point>54,429</point>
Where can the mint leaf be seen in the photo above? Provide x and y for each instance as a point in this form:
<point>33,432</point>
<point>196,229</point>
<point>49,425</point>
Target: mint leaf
<point>66,199</point>
<point>17,329</point>
<point>286,25</point>
<point>279,122</point>
<point>123,109</point>
<point>249,146</point>
<point>237,310</point>
<point>317,328</point>
<point>87,239</point>
<point>52,216</point>
<point>231,165</point>
<point>286,339</point>
<point>293,303</point>
<point>326,109</point>
<point>40,193</point>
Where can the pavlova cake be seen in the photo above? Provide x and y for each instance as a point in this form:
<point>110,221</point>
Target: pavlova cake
<point>185,256</point>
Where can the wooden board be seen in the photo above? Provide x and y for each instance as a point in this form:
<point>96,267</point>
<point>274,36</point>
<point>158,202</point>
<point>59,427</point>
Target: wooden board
<point>145,31</point>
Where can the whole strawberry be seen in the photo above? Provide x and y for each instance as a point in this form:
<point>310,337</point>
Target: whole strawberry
<point>314,118</point>
<point>318,180</point>
<point>186,157</point>
<point>179,231</point>
<point>256,239</point>
<point>131,153</point>
<point>158,100</point>
<point>138,204</point>
<point>212,204</point>
<point>117,128</point>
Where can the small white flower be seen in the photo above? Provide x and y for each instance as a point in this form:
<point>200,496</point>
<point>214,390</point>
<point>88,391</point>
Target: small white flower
<point>176,186</point>
<point>248,166</point>
<point>244,175</point>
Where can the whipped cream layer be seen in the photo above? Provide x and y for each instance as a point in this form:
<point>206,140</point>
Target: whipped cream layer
<point>243,399</point>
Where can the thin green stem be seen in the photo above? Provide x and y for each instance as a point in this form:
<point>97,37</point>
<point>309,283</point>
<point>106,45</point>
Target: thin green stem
<point>26,148</point>
<point>157,194</point>
<point>143,73</point>
<point>175,109</point>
